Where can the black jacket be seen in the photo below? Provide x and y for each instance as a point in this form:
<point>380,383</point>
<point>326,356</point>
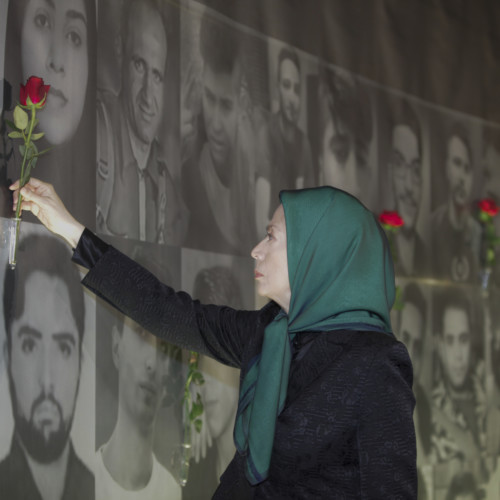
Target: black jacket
<point>17,482</point>
<point>347,427</point>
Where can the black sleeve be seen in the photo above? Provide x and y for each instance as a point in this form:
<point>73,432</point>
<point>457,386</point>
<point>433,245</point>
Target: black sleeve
<point>89,249</point>
<point>217,331</point>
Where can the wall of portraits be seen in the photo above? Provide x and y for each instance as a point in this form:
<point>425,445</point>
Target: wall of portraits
<point>173,127</point>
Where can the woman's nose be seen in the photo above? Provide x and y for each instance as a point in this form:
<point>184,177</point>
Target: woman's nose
<point>55,57</point>
<point>256,251</point>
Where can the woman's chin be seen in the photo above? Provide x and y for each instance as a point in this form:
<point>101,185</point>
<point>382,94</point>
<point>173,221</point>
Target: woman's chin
<point>57,130</point>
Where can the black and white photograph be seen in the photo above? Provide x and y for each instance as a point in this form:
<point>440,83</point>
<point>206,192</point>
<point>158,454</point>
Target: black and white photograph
<point>220,280</point>
<point>137,191</point>
<point>168,131</point>
<point>218,134</point>
<point>138,391</point>
<point>342,128</point>
<point>412,328</point>
<point>6,150</point>
<point>455,171</point>
<point>490,188</point>
<point>459,396</point>
<point>285,158</point>
<point>404,178</point>
<point>47,380</point>
<point>56,41</point>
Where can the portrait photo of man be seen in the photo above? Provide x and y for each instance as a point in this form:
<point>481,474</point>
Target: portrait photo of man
<point>213,278</point>
<point>44,311</point>
<point>126,463</point>
<point>405,172</point>
<point>218,169</point>
<point>458,398</point>
<point>136,193</point>
<point>455,233</point>
<point>345,127</point>
<point>138,406</point>
<point>285,160</point>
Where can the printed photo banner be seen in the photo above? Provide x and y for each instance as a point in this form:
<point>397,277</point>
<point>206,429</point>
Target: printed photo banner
<point>173,129</point>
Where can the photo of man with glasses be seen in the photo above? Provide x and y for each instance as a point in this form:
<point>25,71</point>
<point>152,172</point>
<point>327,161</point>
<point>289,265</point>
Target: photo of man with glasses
<point>405,170</point>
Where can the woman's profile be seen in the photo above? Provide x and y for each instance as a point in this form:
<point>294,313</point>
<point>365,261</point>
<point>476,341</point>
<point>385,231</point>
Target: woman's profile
<point>325,407</point>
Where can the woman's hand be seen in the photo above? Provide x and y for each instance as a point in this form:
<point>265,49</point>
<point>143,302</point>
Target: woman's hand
<point>41,200</point>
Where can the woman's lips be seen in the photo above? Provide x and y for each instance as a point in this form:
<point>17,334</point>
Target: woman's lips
<point>258,275</point>
<point>57,97</point>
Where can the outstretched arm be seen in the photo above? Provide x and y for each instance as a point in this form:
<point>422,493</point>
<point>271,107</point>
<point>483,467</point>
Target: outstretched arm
<point>41,200</point>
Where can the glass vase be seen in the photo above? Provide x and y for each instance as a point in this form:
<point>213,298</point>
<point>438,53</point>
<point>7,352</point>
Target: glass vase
<point>180,462</point>
<point>13,230</point>
<point>485,275</point>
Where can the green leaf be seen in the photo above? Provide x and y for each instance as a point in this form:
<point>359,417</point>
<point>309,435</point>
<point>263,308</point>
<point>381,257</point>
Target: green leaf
<point>20,118</point>
<point>490,256</point>
<point>196,411</point>
<point>11,124</point>
<point>22,149</point>
<point>398,299</point>
<point>15,135</point>
<point>198,378</point>
<point>43,151</point>
<point>33,150</point>
<point>198,424</point>
<point>35,137</point>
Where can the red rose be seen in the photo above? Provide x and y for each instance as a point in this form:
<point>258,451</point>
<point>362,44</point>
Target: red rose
<point>392,219</point>
<point>34,89</point>
<point>488,206</point>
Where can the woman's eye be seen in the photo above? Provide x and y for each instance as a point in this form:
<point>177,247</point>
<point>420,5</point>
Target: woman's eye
<point>42,21</point>
<point>74,38</point>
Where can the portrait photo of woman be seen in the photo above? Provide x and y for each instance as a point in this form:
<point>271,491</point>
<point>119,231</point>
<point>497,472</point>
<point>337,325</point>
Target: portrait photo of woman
<point>55,40</point>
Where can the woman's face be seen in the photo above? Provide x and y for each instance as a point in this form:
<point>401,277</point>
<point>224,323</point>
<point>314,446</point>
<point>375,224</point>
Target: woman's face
<point>54,47</point>
<point>271,267</point>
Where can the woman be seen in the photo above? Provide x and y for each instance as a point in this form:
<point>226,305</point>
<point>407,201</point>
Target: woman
<point>325,407</point>
<point>55,40</point>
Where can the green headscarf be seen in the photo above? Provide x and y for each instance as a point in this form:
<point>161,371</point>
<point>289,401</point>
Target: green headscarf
<point>341,277</point>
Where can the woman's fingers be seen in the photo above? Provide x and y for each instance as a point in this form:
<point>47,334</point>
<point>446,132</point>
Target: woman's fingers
<point>41,199</point>
<point>28,206</point>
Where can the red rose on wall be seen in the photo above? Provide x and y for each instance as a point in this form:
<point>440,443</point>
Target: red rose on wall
<point>391,222</point>
<point>489,207</point>
<point>487,210</point>
<point>391,219</point>
<point>35,90</point>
